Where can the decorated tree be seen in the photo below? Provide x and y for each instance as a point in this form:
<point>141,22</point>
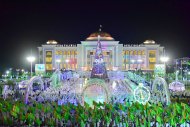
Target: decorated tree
<point>99,69</point>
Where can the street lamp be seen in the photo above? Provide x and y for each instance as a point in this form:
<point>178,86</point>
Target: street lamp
<point>164,59</point>
<point>31,59</point>
<point>58,62</point>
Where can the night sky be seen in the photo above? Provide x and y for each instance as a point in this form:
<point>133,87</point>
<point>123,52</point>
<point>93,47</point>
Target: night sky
<point>26,25</point>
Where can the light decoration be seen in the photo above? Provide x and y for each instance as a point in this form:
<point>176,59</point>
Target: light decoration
<point>95,90</point>
<point>164,59</point>
<point>139,60</point>
<point>67,60</point>
<point>31,59</point>
<point>99,69</point>
<point>177,86</point>
<point>58,60</point>
<point>115,68</point>
<point>132,61</point>
<point>7,72</point>
<point>141,94</point>
<point>136,78</point>
<point>161,88</point>
<point>114,84</point>
<point>51,42</point>
<point>56,79</point>
<point>149,42</point>
<point>121,91</point>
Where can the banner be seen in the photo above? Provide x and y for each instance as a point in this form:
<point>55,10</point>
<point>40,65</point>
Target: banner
<point>40,68</point>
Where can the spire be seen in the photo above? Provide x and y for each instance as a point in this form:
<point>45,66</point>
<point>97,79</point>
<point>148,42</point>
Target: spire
<point>100,29</point>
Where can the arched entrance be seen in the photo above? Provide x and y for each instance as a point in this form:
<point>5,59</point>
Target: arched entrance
<point>29,86</point>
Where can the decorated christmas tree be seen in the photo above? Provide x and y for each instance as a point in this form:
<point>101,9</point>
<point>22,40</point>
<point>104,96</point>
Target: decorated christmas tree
<point>99,69</point>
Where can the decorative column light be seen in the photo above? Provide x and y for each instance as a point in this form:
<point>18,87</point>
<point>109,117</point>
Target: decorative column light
<point>31,59</point>
<point>58,61</point>
<point>67,61</point>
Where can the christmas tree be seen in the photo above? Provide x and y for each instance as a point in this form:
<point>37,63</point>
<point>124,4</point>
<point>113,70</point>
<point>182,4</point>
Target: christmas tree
<point>99,69</point>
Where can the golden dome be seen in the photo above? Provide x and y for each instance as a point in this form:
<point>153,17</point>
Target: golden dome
<point>149,42</point>
<point>103,36</point>
<point>51,42</point>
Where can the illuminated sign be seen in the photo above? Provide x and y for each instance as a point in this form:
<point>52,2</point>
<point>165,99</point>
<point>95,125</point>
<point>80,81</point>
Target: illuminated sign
<point>40,68</point>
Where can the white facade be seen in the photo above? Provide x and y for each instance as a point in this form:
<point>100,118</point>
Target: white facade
<point>116,55</point>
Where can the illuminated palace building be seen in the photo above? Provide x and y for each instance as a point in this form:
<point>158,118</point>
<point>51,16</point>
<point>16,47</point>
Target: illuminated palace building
<point>116,56</point>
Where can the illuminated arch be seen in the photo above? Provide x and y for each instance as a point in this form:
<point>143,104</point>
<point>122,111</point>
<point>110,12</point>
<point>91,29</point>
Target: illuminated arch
<point>122,84</point>
<point>165,91</point>
<point>98,82</point>
<point>29,86</point>
<point>121,91</point>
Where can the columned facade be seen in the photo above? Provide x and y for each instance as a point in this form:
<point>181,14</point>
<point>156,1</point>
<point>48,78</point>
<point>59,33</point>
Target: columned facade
<point>111,51</point>
<point>117,56</point>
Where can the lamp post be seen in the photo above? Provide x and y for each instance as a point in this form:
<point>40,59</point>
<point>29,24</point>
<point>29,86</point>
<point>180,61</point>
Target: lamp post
<point>164,59</point>
<point>58,63</point>
<point>31,59</point>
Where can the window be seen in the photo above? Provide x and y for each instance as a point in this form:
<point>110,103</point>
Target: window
<point>135,52</point>
<point>49,67</point>
<point>48,53</point>
<point>127,52</point>
<point>58,52</point>
<point>143,52</point>
<point>139,52</point>
<point>131,52</point>
<point>152,59</point>
<point>68,52</point>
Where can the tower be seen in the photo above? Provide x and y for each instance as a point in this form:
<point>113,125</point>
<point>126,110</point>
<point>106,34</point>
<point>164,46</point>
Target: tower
<point>99,69</point>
